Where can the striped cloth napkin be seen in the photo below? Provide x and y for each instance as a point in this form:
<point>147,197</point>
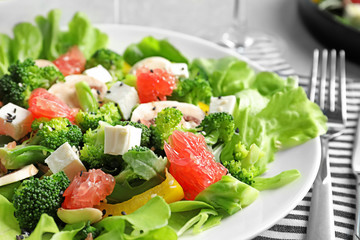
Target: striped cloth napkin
<point>293,226</point>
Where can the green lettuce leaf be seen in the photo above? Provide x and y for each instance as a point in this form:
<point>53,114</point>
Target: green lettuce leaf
<point>84,35</point>
<point>5,57</point>
<point>269,83</point>
<point>227,76</point>
<point>50,30</point>
<point>289,119</point>
<point>142,165</point>
<point>252,99</point>
<point>9,189</point>
<point>124,191</point>
<point>292,119</point>
<point>159,234</point>
<point>27,42</point>
<point>45,227</point>
<point>149,221</point>
<point>202,67</point>
<point>68,232</point>
<point>228,194</point>
<point>231,76</point>
<point>276,181</point>
<point>149,47</point>
<point>9,226</point>
<point>193,214</point>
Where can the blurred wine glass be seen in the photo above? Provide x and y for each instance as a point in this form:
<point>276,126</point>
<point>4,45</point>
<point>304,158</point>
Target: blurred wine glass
<point>236,35</point>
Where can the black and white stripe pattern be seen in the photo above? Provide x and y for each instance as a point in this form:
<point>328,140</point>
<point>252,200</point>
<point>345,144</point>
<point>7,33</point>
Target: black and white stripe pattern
<point>294,225</point>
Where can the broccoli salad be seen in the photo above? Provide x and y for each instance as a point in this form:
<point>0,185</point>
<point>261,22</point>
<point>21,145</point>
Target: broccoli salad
<point>346,12</point>
<point>140,144</point>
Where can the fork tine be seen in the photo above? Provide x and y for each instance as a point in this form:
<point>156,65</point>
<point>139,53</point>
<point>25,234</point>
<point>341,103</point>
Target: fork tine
<point>342,87</point>
<point>322,88</point>
<point>331,95</point>
<point>314,73</point>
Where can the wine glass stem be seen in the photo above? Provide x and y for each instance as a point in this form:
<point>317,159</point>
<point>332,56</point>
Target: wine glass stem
<point>239,20</point>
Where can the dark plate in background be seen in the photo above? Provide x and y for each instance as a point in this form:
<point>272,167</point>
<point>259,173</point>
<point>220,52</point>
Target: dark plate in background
<point>329,31</point>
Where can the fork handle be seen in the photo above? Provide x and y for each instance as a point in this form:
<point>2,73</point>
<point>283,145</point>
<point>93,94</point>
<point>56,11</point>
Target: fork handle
<point>356,235</point>
<point>321,218</point>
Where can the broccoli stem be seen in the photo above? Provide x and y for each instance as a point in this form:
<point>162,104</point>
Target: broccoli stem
<point>277,181</point>
<point>87,100</point>
<point>21,156</point>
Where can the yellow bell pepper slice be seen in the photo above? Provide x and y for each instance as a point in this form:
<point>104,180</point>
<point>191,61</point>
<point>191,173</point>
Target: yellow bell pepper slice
<point>204,107</point>
<point>169,189</point>
<point>126,68</point>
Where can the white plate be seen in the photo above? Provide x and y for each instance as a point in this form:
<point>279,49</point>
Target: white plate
<point>272,205</point>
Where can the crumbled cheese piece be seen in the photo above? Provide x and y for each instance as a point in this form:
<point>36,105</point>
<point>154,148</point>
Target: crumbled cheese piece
<point>15,121</point>
<point>125,96</point>
<point>222,104</point>
<point>65,159</point>
<point>99,73</point>
<point>119,139</point>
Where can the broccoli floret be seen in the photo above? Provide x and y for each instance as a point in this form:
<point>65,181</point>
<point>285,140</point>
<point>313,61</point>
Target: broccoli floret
<point>108,112</point>
<point>35,197</point>
<point>55,132</point>
<point>110,60</point>
<point>92,154</point>
<point>24,77</point>
<point>243,165</point>
<point>23,155</point>
<point>166,121</point>
<point>192,91</point>
<point>141,164</point>
<point>145,133</point>
<point>217,127</point>
<point>242,174</point>
<point>86,231</point>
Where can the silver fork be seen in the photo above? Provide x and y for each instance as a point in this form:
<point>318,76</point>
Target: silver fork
<point>321,219</point>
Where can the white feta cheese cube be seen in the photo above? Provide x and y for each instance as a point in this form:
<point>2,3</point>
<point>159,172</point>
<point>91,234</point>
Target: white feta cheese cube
<point>119,139</point>
<point>135,136</point>
<point>99,73</point>
<point>15,121</point>
<point>125,96</point>
<point>65,159</point>
<point>222,104</point>
<point>180,70</point>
